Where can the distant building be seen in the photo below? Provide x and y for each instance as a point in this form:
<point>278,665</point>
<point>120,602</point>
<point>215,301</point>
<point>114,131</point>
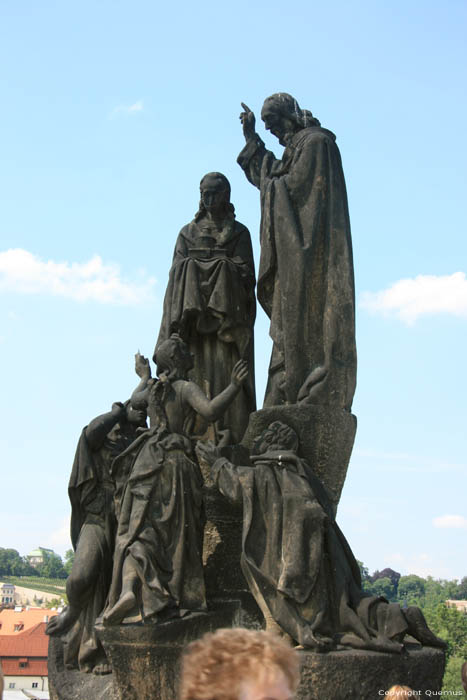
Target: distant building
<point>7,593</point>
<point>460,605</point>
<point>22,619</point>
<point>24,659</point>
<point>37,556</point>
<point>29,596</point>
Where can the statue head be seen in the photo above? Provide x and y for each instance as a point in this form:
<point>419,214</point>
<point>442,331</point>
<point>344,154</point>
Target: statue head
<point>277,436</point>
<point>173,358</point>
<point>215,196</point>
<point>283,117</point>
<point>135,413</point>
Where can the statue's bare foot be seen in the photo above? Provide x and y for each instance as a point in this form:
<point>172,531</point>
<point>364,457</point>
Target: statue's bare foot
<point>123,605</point>
<point>60,624</point>
<point>102,669</point>
<point>317,642</point>
<point>418,628</point>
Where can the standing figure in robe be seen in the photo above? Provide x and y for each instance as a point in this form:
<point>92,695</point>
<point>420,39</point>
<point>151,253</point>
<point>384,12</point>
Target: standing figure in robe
<point>158,568</point>
<point>210,302</point>
<point>305,281</point>
<point>93,527</point>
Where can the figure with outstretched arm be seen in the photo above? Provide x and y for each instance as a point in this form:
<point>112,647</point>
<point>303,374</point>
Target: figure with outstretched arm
<point>93,525</point>
<point>306,278</point>
<point>158,571</point>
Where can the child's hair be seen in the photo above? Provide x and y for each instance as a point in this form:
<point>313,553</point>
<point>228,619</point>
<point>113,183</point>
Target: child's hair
<point>215,666</point>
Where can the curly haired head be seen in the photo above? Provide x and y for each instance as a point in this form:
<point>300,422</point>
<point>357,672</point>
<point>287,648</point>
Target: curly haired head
<point>216,666</point>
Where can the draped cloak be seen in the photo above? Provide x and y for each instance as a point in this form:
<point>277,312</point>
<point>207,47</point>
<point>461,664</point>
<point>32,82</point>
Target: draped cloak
<point>305,281</point>
<point>210,301</point>
<point>91,493</point>
<point>160,523</point>
<point>295,557</point>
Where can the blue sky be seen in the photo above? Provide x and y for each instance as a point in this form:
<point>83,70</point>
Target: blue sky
<point>110,114</point>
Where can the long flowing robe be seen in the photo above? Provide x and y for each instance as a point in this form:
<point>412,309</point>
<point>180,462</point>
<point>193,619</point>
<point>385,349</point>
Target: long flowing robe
<point>305,281</point>
<point>296,559</point>
<point>210,301</point>
<point>160,524</point>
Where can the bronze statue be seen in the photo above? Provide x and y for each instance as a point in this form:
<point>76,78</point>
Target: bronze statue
<point>158,570</point>
<point>305,281</point>
<point>93,526</point>
<point>210,301</point>
<point>297,562</point>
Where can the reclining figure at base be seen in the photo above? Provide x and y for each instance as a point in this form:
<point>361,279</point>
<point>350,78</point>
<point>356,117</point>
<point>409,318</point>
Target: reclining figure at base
<point>297,562</point>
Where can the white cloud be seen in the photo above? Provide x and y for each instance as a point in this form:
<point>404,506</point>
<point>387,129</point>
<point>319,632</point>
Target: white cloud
<point>457,522</point>
<point>408,299</point>
<point>59,540</point>
<point>25,273</point>
<point>422,564</point>
<point>135,108</point>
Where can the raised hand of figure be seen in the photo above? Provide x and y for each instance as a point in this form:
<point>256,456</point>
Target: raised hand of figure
<point>142,367</point>
<point>239,372</point>
<point>207,451</point>
<point>248,122</point>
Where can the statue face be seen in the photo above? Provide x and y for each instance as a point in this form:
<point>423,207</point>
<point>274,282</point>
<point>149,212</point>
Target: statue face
<point>276,123</point>
<point>213,195</point>
<point>136,416</point>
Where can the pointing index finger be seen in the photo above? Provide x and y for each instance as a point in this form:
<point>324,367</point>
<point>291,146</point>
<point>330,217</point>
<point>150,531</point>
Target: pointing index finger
<point>245,107</point>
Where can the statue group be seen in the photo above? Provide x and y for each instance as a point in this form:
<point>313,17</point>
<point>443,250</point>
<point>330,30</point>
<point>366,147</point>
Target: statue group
<point>136,490</point>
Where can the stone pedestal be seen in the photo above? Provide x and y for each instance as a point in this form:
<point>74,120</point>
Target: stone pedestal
<point>65,684</point>
<point>222,545</point>
<point>146,659</point>
<point>365,675</point>
<point>326,436</point>
<point>146,662</point>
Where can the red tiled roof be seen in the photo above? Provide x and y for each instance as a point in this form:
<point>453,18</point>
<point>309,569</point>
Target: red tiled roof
<point>29,618</point>
<point>31,642</point>
<point>35,667</point>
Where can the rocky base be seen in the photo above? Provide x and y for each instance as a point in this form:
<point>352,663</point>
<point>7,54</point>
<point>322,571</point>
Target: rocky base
<point>74,685</point>
<point>146,662</point>
<point>366,675</point>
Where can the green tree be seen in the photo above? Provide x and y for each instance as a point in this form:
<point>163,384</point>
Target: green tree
<point>382,586</point>
<point>364,572</point>
<point>10,561</point>
<point>52,566</point>
<point>54,603</point>
<point>450,625</point>
<point>13,564</point>
<point>461,592</point>
<point>452,676</point>
<point>69,559</point>
<point>411,588</point>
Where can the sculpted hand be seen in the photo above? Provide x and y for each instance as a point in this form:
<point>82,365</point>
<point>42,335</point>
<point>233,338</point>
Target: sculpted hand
<point>248,122</point>
<point>142,367</point>
<point>239,373</point>
<point>207,451</point>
